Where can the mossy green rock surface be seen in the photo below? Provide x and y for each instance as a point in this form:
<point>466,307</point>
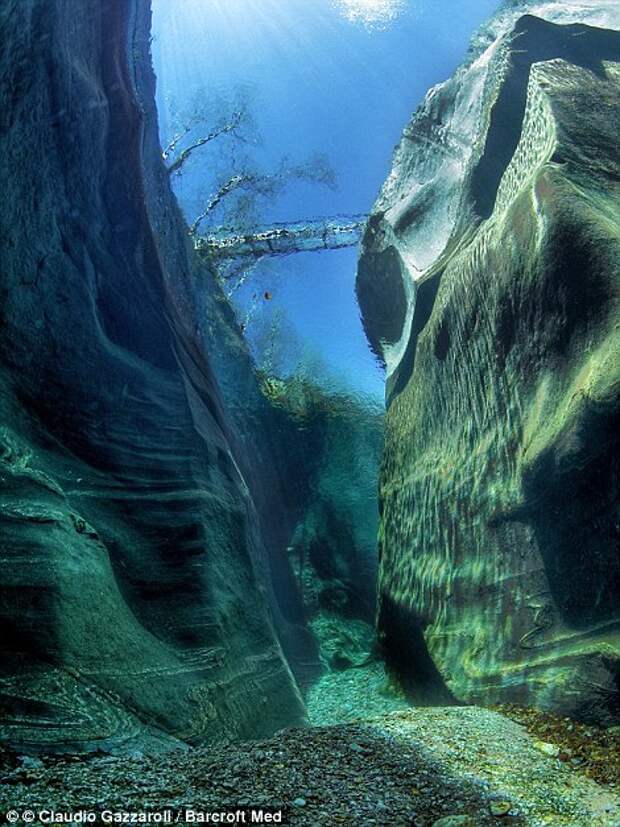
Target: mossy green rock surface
<point>136,602</point>
<point>497,240</point>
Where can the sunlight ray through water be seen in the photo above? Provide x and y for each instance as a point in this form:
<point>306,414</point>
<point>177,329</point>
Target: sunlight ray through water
<point>371,13</point>
<point>328,79</point>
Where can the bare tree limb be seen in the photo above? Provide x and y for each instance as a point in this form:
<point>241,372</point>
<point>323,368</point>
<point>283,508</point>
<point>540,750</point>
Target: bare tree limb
<point>269,184</point>
<point>169,149</point>
<point>231,126</point>
<point>226,188</point>
<point>238,275</point>
<point>283,239</point>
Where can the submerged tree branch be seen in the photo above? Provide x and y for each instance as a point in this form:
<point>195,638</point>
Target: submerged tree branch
<point>176,165</point>
<point>226,188</point>
<point>284,239</point>
<point>169,148</point>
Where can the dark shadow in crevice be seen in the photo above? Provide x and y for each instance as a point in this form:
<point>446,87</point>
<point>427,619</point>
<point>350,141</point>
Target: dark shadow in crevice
<point>424,303</point>
<point>580,545</point>
<point>381,297</point>
<point>401,636</point>
<point>534,41</point>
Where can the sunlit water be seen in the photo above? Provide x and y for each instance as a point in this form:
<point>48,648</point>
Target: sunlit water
<point>338,77</point>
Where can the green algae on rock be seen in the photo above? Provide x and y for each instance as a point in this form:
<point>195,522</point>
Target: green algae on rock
<point>135,601</point>
<point>499,489</point>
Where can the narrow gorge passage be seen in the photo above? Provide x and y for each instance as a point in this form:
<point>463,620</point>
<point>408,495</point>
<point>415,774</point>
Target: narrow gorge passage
<point>309,412</point>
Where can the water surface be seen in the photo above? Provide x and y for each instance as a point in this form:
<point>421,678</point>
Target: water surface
<point>337,77</point>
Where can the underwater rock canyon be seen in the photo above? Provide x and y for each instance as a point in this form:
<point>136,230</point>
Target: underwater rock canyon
<point>155,532</point>
<point>152,518</point>
<point>488,283</point>
<point>136,603</point>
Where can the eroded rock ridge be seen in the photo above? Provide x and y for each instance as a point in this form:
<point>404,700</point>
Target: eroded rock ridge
<point>489,285</point>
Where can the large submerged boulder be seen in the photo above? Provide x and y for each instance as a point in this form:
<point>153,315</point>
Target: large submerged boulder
<point>138,602</point>
<point>489,283</point>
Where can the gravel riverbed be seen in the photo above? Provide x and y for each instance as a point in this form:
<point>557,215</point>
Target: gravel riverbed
<point>406,769</point>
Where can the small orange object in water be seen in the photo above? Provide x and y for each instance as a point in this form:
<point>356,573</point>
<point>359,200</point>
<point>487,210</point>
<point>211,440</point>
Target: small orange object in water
<point>267,295</point>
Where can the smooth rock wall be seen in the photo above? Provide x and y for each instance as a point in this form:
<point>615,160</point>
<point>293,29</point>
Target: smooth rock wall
<point>495,243</point>
<point>136,599</point>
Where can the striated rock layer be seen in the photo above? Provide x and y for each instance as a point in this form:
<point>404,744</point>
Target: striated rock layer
<point>138,603</point>
<point>488,282</point>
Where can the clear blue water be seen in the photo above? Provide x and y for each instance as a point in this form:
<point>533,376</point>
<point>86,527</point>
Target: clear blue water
<point>321,76</point>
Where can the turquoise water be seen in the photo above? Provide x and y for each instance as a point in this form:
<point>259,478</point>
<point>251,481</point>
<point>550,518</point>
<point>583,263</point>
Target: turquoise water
<point>355,684</point>
<point>334,77</point>
<point>353,695</point>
